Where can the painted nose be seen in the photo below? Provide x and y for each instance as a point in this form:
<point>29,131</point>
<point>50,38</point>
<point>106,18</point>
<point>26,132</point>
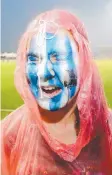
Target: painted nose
<point>46,71</point>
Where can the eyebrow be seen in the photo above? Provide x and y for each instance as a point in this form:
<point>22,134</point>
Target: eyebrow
<point>60,52</point>
<point>32,54</point>
<point>52,52</point>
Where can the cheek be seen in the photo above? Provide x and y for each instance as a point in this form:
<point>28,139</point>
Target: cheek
<point>31,72</point>
<point>67,73</point>
<point>61,71</point>
<point>64,76</point>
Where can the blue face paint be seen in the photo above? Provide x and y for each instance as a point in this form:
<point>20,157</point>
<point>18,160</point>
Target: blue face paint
<point>51,70</point>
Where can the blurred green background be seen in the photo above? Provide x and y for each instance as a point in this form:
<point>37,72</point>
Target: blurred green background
<point>10,99</point>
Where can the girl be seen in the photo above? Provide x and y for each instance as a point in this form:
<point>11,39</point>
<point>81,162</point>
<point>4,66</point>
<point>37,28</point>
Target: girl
<point>64,126</point>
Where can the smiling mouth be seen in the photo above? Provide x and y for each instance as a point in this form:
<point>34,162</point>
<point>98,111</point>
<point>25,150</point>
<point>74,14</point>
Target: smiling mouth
<point>51,91</point>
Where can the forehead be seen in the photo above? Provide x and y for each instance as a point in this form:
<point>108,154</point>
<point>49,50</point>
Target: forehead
<point>50,42</point>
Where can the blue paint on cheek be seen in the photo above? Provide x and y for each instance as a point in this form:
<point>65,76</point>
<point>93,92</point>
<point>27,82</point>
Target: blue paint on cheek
<point>71,68</point>
<point>72,91</point>
<point>32,77</point>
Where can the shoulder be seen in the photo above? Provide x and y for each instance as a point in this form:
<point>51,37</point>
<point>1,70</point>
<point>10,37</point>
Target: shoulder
<point>10,126</point>
<point>12,119</point>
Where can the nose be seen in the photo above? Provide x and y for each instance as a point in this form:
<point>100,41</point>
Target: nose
<point>46,71</point>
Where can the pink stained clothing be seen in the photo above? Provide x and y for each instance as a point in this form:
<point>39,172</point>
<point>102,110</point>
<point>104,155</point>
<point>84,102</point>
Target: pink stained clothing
<point>28,148</point>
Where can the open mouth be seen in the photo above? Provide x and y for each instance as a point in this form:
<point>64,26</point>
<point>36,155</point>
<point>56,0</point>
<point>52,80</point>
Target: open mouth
<point>51,91</point>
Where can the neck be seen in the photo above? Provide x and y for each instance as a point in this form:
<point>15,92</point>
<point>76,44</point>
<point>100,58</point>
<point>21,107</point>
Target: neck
<point>66,121</point>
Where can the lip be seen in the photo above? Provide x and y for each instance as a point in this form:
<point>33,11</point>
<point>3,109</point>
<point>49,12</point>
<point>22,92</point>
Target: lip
<point>51,91</point>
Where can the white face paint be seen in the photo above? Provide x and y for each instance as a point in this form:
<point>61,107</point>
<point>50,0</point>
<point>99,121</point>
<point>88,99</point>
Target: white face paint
<point>51,70</point>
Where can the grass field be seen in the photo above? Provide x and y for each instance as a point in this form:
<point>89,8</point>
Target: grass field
<point>11,99</point>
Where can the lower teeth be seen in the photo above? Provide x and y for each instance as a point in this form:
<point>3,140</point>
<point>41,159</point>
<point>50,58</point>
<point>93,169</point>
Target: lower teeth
<point>55,92</point>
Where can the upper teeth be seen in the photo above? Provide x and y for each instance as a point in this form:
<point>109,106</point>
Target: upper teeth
<point>49,88</point>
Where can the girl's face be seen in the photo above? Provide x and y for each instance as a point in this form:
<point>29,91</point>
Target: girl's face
<point>51,69</point>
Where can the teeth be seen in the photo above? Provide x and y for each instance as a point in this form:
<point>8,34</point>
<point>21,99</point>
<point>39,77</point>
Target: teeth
<point>53,87</point>
<point>50,94</point>
<point>49,88</point>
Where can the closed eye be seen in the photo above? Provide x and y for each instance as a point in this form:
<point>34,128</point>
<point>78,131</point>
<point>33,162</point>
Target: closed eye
<point>33,58</point>
<point>53,57</point>
<point>59,58</point>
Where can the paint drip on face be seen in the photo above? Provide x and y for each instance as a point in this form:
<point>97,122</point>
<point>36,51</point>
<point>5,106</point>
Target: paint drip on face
<point>51,70</point>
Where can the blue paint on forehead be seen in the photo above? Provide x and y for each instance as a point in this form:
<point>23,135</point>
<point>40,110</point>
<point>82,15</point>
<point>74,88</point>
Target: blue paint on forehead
<point>53,45</point>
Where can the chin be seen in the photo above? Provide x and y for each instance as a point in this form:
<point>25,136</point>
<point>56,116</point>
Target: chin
<point>52,106</point>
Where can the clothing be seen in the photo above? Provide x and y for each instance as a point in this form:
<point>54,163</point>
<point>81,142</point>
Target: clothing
<point>28,148</point>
